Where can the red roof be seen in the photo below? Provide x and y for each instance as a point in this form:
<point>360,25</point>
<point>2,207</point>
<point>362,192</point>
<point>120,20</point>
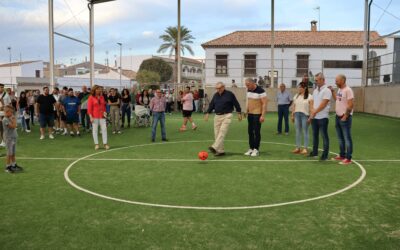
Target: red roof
<point>347,39</point>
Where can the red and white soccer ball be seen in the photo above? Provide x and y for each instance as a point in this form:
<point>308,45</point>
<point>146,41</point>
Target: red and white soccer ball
<point>203,155</point>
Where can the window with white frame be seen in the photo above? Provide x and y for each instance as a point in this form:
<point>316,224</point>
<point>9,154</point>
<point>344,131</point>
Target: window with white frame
<point>221,65</point>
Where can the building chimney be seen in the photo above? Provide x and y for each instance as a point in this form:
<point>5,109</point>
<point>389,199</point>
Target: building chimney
<point>313,25</point>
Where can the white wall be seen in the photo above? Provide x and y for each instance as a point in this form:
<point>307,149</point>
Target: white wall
<point>24,70</point>
<point>288,56</point>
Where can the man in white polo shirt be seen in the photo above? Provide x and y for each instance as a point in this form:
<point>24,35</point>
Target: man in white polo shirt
<point>320,116</point>
<point>344,116</point>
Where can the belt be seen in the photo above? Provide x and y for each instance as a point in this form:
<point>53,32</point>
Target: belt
<point>222,113</point>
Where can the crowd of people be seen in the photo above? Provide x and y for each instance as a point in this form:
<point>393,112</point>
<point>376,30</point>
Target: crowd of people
<point>307,109</point>
<point>69,112</point>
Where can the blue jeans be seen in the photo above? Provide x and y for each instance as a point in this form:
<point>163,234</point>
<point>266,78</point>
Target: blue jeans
<point>158,116</point>
<point>300,121</point>
<point>85,119</point>
<point>254,127</point>
<point>320,125</point>
<point>126,110</point>
<point>283,112</point>
<point>343,131</point>
<point>23,124</point>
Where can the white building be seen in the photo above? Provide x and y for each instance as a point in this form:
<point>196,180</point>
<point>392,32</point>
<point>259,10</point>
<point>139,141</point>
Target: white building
<point>242,54</point>
<point>10,72</point>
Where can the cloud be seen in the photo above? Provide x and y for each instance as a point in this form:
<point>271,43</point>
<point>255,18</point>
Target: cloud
<point>148,33</point>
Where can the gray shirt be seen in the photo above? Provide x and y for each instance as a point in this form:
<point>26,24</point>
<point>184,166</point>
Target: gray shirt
<point>8,133</point>
<point>283,98</point>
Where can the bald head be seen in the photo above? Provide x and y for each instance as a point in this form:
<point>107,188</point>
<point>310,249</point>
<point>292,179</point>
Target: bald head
<point>340,81</point>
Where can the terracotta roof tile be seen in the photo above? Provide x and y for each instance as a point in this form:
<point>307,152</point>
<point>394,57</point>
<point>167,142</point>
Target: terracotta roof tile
<point>294,39</point>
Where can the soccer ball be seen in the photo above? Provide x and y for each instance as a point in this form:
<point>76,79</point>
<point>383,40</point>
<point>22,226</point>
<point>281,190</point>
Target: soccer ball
<point>203,155</point>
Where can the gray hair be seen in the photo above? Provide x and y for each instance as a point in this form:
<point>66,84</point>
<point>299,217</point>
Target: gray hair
<point>343,77</point>
<point>320,75</point>
<point>220,83</point>
<point>250,80</point>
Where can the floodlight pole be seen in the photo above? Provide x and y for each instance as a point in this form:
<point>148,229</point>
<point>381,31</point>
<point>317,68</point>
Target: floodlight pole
<point>178,45</point>
<point>51,44</point>
<point>91,41</point>
<point>272,42</point>
<point>365,46</point>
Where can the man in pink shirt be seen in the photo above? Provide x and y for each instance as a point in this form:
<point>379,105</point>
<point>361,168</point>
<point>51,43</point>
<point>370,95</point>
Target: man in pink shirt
<point>344,115</point>
<point>187,109</point>
<point>157,106</point>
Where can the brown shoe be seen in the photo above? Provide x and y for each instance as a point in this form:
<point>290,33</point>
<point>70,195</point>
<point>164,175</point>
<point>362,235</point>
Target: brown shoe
<point>106,147</point>
<point>304,151</point>
<point>296,151</point>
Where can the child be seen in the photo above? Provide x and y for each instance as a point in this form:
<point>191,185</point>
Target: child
<point>10,138</point>
<point>27,116</point>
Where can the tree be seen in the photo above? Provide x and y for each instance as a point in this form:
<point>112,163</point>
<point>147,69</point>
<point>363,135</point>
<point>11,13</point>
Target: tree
<point>147,77</point>
<point>159,66</point>
<point>170,42</point>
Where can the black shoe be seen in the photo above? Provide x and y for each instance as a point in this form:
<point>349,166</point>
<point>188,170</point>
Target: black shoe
<point>212,150</point>
<point>219,154</point>
<point>323,158</point>
<point>165,139</point>
<point>79,134</point>
<point>9,169</point>
<point>153,140</point>
<point>129,125</point>
<point>312,155</point>
<point>17,168</point>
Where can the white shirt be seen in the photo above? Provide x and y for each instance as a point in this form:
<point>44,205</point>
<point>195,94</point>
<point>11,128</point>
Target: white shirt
<point>322,94</point>
<point>302,105</point>
<point>6,101</point>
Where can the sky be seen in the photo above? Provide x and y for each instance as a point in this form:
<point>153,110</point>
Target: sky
<point>137,24</point>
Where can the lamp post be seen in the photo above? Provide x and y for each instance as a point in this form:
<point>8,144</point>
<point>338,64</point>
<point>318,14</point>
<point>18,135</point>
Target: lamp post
<point>318,8</point>
<point>120,65</point>
<point>9,51</point>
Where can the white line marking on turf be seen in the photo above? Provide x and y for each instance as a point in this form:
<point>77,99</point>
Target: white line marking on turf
<point>66,176</point>
<point>45,158</point>
<point>190,160</point>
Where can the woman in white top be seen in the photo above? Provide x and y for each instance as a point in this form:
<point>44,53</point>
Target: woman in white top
<point>302,105</point>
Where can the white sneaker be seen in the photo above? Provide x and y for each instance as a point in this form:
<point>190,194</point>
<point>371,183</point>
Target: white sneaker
<point>51,136</point>
<point>249,152</point>
<point>65,133</point>
<point>2,144</point>
<point>28,131</point>
<point>255,153</point>
<point>42,137</point>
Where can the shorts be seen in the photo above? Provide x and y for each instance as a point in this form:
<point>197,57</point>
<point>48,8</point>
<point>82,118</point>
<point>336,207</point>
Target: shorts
<point>10,145</point>
<point>46,120</point>
<point>71,119</point>
<point>187,113</point>
<point>63,117</point>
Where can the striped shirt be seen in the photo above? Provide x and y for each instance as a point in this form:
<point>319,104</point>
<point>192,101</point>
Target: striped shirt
<point>254,104</point>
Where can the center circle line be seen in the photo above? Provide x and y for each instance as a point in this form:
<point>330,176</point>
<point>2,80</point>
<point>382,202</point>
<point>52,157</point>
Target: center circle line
<point>67,178</point>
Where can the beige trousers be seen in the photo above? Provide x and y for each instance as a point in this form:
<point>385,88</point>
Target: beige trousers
<point>221,126</point>
<point>114,111</point>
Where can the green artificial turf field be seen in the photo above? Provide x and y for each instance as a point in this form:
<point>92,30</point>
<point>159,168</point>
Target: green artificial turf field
<point>41,210</point>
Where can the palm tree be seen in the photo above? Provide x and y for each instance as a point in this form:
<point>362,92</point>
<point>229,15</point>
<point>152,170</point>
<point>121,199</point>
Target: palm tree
<point>170,43</point>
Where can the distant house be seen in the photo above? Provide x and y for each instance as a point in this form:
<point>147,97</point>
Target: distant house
<point>10,71</point>
<point>192,69</point>
<point>75,76</point>
<point>242,54</point>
